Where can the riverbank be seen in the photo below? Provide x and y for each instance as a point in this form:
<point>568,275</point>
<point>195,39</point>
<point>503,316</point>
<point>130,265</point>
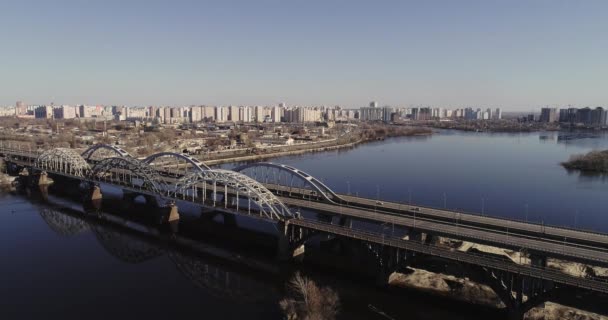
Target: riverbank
<point>593,161</point>
<point>367,135</point>
<point>256,157</point>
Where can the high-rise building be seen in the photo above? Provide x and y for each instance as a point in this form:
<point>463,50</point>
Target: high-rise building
<point>220,114</point>
<point>44,112</point>
<point>167,117</point>
<point>233,114</point>
<point>196,114</point>
<point>498,114</point>
<point>276,114</point>
<point>20,108</point>
<point>258,114</point>
<point>598,117</point>
<point>64,112</point>
<point>548,115</point>
<point>387,114</point>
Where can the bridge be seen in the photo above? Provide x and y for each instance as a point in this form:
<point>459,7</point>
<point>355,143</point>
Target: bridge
<point>276,192</point>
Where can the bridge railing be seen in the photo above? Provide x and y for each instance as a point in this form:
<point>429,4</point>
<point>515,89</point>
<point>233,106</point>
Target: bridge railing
<point>595,283</point>
<point>540,224</point>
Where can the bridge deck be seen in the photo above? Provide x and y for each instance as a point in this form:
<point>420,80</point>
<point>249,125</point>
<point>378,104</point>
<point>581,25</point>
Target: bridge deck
<point>455,255</point>
<point>596,256</point>
<point>583,237</point>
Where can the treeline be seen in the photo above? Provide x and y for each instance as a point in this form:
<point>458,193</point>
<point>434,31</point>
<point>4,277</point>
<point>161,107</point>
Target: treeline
<point>373,132</point>
<point>593,161</point>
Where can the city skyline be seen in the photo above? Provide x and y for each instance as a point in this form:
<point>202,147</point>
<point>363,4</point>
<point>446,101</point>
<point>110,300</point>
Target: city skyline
<point>517,56</point>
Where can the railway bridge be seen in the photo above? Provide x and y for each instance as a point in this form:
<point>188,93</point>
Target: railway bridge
<point>276,192</point>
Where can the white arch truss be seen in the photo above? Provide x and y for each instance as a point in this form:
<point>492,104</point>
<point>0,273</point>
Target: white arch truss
<point>87,154</point>
<point>269,172</point>
<point>197,164</point>
<point>129,172</point>
<point>235,183</point>
<point>62,160</point>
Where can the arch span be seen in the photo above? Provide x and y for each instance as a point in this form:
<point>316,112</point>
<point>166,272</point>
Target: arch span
<point>284,175</point>
<point>128,171</point>
<point>97,148</point>
<point>62,160</point>
<point>198,165</point>
<point>268,204</point>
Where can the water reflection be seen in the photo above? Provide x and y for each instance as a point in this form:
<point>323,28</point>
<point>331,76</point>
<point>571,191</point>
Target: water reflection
<point>214,278</point>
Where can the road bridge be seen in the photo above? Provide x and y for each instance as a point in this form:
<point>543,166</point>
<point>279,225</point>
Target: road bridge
<point>234,192</point>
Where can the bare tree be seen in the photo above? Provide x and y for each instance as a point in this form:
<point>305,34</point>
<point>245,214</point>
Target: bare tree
<point>308,301</point>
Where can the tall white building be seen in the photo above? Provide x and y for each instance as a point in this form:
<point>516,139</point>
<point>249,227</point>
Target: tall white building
<point>221,114</point>
<point>258,113</point>
<point>387,113</point>
<point>276,114</point>
<point>498,114</point>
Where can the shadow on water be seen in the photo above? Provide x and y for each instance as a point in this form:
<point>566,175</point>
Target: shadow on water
<point>228,263</point>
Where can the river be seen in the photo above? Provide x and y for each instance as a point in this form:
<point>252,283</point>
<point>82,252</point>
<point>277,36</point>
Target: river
<point>57,264</point>
<point>509,175</point>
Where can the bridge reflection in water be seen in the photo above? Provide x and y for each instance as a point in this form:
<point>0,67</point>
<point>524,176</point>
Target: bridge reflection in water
<point>216,278</point>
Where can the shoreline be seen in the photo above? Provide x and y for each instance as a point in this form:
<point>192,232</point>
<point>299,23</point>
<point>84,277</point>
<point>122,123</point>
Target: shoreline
<point>303,151</point>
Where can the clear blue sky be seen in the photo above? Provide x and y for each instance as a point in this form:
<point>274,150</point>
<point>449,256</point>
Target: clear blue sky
<point>515,54</point>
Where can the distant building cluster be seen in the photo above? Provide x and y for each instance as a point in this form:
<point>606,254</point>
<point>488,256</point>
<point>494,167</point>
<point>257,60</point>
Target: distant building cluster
<point>586,116</point>
<point>295,114</point>
<point>593,117</point>
<point>185,114</point>
<point>390,114</point>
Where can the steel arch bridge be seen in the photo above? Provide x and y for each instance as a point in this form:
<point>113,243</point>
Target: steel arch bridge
<point>287,176</point>
<point>63,160</point>
<point>103,151</point>
<point>129,172</point>
<point>196,164</point>
<point>235,183</point>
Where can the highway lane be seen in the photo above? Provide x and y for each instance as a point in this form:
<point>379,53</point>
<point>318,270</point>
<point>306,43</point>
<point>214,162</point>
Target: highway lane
<point>491,237</point>
<point>500,224</point>
<point>455,255</point>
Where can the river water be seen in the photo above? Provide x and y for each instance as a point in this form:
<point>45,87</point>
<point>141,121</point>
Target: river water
<point>509,175</point>
<point>58,263</point>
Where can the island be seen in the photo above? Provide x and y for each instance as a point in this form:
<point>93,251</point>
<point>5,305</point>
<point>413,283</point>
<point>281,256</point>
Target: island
<point>593,161</point>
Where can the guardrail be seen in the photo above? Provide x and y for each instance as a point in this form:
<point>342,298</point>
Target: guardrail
<point>596,284</point>
<point>456,232</point>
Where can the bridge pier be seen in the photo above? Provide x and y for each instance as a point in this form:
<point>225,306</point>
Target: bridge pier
<point>43,179</point>
<point>173,214</point>
<point>95,193</point>
<point>289,242</point>
<point>173,217</point>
